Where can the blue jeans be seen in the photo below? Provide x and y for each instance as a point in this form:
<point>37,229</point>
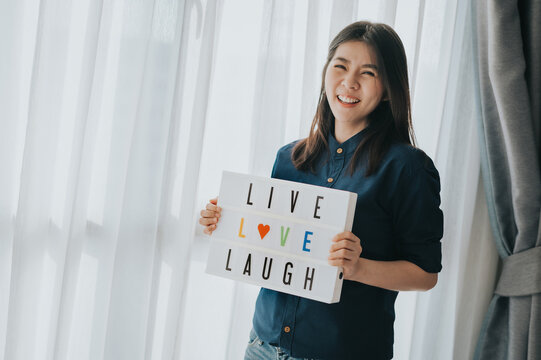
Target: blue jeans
<point>257,349</point>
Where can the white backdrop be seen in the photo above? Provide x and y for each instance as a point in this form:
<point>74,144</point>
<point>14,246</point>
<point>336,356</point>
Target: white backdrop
<point>116,121</point>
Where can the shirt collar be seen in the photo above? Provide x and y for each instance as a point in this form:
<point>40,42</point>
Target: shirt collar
<point>347,146</point>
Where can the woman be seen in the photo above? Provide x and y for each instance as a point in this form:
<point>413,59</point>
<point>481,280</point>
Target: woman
<point>361,140</point>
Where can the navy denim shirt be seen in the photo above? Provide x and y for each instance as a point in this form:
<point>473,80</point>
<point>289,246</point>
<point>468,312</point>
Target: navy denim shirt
<point>397,216</point>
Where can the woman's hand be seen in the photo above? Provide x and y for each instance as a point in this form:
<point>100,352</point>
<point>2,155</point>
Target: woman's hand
<point>345,252</point>
<point>396,275</point>
<point>210,216</point>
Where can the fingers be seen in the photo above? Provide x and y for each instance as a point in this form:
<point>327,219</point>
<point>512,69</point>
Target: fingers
<point>209,224</point>
<point>213,207</point>
<point>341,263</point>
<point>344,254</point>
<point>209,229</point>
<point>208,221</point>
<point>346,235</point>
<point>210,216</point>
<point>346,248</point>
<point>345,244</point>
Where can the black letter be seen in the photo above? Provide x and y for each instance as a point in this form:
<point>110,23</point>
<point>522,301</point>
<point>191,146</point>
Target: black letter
<point>317,206</point>
<point>293,199</point>
<point>248,265</point>
<point>288,281</point>
<point>249,193</point>
<point>265,266</point>
<point>270,197</point>
<point>227,264</point>
<point>309,278</point>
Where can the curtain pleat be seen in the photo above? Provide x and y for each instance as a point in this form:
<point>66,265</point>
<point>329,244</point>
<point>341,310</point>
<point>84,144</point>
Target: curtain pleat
<point>530,13</point>
<point>271,96</point>
<point>448,316</point>
<point>210,20</point>
<point>40,230</point>
<point>313,62</point>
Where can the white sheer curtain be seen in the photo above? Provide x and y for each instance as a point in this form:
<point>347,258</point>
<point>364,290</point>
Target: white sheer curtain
<point>99,162</point>
<point>116,121</point>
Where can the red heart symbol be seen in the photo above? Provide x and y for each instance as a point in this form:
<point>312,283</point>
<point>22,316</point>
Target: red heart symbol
<point>263,230</point>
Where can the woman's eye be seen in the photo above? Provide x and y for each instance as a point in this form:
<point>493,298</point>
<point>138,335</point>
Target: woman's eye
<point>340,66</point>
<point>369,73</point>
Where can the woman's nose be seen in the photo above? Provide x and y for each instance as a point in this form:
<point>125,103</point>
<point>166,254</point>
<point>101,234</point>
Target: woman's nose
<point>350,82</point>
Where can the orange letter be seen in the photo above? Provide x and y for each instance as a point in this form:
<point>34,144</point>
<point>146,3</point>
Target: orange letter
<point>240,229</point>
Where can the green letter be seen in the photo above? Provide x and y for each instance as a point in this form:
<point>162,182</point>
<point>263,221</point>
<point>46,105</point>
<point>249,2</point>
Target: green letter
<point>283,238</point>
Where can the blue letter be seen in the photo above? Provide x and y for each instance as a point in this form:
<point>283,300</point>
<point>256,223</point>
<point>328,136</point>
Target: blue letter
<point>306,241</point>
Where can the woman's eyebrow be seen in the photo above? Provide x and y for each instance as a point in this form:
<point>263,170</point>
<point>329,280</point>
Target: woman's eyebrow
<point>344,60</point>
<point>371,66</point>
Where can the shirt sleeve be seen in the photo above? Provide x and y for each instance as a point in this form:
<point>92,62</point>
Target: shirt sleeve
<point>282,161</point>
<point>417,218</point>
<point>275,166</point>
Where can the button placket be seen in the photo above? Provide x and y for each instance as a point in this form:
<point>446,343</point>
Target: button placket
<point>335,168</point>
<point>288,324</point>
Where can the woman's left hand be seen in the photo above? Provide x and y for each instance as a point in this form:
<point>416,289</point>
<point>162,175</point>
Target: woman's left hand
<point>345,252</point>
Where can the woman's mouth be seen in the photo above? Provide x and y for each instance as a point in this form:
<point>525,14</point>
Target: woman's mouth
<point>347,100</point>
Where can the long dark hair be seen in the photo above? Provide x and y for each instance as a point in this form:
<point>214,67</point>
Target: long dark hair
<point>389,123</point>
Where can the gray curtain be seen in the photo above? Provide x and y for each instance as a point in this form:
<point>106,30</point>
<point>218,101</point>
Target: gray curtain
<point>508,48</point>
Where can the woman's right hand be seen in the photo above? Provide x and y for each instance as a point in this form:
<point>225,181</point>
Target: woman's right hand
<point>210,216</point>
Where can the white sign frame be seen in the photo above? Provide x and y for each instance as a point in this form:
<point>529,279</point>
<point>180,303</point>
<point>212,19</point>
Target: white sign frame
<point>277,234</point>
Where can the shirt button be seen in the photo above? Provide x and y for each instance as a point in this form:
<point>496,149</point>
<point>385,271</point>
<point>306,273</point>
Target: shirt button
<point>287,329</point>
<point>330,180</point>
<point>339,150</point>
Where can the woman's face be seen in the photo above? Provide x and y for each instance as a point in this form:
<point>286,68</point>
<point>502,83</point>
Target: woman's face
<point>353,85</point>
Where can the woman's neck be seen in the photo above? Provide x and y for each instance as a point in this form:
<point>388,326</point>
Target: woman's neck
<point>342,133</point>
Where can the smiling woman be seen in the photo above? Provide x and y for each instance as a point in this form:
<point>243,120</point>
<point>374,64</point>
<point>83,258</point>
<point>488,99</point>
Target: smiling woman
<point>362,124</point>
<point>353,86</point>
<point>365,77</point>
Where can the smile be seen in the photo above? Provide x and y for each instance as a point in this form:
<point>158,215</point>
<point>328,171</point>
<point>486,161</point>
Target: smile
<point>347,99</point>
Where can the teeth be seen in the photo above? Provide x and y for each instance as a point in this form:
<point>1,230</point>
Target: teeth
<point>348,99</point>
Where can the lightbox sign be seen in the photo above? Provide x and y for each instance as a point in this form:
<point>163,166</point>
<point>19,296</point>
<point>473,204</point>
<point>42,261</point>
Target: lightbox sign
<point>277,234</point>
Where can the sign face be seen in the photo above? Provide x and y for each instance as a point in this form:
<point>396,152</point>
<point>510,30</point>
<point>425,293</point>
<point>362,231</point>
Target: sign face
<point>277,234</point>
